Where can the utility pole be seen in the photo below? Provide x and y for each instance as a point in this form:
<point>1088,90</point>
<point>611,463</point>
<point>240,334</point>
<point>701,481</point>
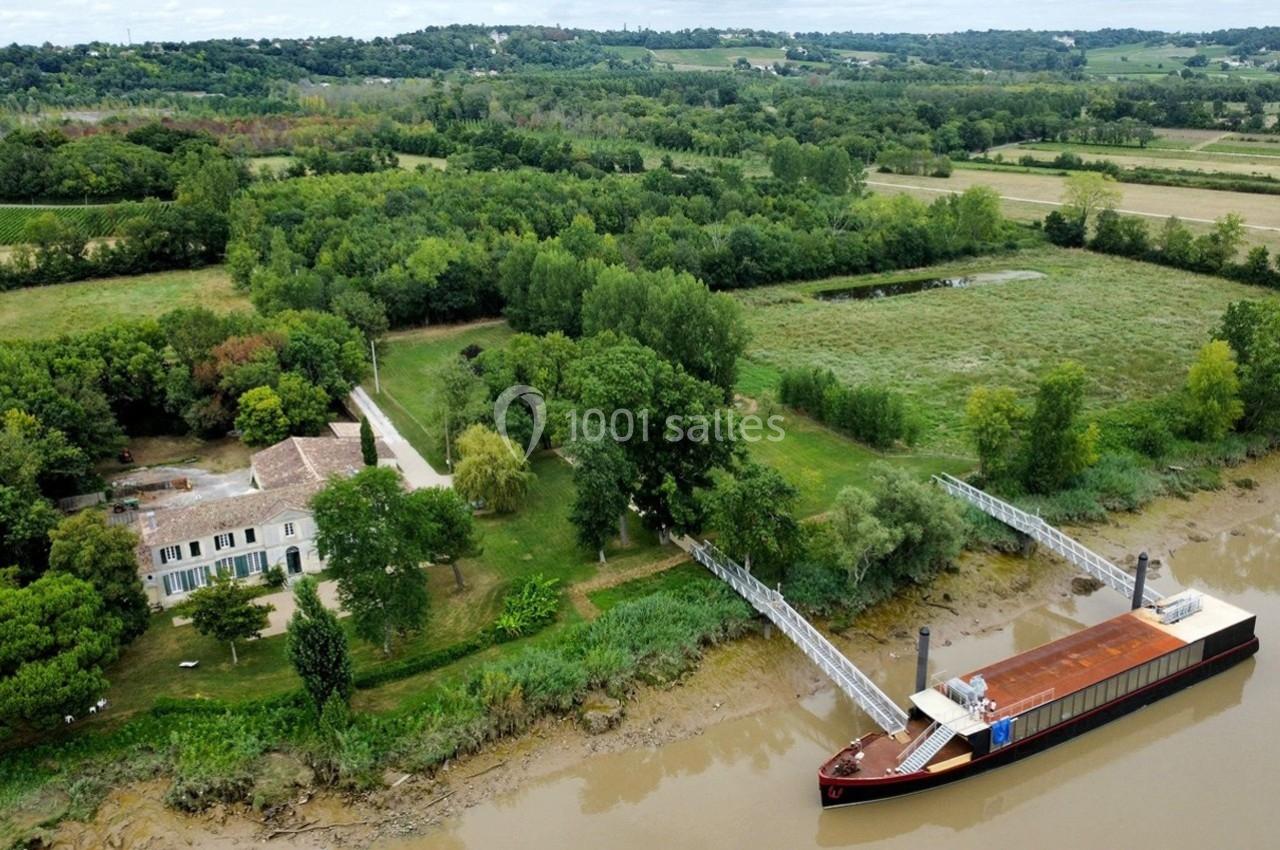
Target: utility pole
<point>377,386</point>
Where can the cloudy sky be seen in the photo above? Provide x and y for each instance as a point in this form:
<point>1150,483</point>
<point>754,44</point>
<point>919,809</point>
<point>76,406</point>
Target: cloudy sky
<point>75,21</point>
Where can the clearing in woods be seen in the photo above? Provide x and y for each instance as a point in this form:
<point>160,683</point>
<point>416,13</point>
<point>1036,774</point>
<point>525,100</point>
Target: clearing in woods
<point>37,312</point>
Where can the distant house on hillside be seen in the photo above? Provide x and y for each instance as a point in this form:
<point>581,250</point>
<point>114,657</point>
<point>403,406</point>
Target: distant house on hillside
<point>182,549</point>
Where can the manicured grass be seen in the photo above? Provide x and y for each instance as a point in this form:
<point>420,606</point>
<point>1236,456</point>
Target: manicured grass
<point>1134,326</point>
<point>407,363</point>
<point>820,462</point>
<point>45,311</point>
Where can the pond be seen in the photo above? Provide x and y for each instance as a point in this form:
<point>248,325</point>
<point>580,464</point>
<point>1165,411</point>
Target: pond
<point>867,291</point>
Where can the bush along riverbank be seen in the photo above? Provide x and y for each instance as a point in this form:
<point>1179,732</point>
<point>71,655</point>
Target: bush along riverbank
<point>216,752</point>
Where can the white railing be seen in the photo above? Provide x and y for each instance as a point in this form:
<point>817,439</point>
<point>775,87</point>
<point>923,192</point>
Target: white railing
<point>1022,705</point>
<point>1048,536</point>
<point>846,676</point>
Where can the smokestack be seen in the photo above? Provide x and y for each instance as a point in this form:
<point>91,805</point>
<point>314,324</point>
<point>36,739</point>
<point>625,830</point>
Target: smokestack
<point>1140,581</point>
<point>922,660</point>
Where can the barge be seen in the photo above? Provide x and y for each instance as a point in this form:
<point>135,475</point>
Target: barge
<point>1029,702</point>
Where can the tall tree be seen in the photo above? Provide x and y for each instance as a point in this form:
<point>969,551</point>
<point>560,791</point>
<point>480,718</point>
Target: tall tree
<point>1087,193</point>
<point>454,527</point>
<point>492,469</point>
<point>105,556</point>
<point>56,638</point>
<point>225,611</point>
<point>862,540</point>
<point>752,512</point>
<point>1214,390</point>
<point>368,445</point>
<point>603,480</point>
<point>317,647</point>
<point>374,537</point>
<point>1059,446</point>
<point>994,418</point>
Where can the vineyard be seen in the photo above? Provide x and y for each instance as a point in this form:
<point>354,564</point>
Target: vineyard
<point>91,221</point>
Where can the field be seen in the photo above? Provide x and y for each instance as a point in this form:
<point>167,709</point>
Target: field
<point>1134,327</point>
<point>703,58</point>
<point>1134,157</point>
<point>92,221</point>
<point>1030,196</point>
<point>277,164</point>
<point>44,311</point>
<point>1133,60</point>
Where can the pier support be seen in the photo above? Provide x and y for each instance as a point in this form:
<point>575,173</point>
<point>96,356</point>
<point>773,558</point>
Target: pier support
<point>1140,581</point>
<point>922,660</point>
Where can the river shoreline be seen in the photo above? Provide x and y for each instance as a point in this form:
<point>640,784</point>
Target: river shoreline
<point>743,678</point>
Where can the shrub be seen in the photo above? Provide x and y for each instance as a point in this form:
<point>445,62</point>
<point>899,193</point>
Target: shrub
<point>529,605</point>
<point>273,576</point>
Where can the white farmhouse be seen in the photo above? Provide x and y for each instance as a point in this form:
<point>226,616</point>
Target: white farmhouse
<point>182,549</point>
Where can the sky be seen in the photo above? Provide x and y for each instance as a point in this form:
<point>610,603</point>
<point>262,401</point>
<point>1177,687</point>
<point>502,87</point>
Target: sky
<point>78,21</point>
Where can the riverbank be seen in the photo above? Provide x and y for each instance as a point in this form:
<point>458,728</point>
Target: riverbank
<point>751,676</point>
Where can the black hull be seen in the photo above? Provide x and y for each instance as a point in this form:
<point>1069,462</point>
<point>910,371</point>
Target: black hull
<point>835,793</point>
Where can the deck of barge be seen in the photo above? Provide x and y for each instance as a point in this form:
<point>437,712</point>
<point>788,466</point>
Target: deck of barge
<point>1077,661</point>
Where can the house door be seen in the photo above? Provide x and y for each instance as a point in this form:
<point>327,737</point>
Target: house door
<point>293,559</point>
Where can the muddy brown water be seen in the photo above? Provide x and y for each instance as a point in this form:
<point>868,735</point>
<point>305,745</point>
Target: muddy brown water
<point>1194,770</point>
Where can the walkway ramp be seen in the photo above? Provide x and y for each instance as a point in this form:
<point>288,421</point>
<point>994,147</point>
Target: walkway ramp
<point>848,678</point>
<point>1049,537</point>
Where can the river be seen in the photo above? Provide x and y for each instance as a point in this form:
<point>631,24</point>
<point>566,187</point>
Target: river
<point>1191,771</point>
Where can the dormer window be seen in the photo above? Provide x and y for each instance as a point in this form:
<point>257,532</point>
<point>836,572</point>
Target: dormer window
<point>289,530</point>
<point>225,540</point>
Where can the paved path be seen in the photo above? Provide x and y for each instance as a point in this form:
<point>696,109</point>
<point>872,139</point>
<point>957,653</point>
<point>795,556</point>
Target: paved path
<point>417,472</point>
<point>283,607</point>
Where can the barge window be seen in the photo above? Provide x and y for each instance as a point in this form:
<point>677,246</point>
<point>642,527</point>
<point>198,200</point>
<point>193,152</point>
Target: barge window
<point>1033,722</point>
<point>1111,689</point>
<point>1043,714</point>
<point>1181,658</point>
<point>1077,702</point>
<point>1090,698</point>
<point>1197,652</point>
<point>1055,712</point>
<point>1162,669</point>
<point>1132,684</point>
<point>1144,675</point>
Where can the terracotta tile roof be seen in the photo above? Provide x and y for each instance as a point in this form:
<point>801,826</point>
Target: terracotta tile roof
<point>178,525</point>
<point>299,460</point>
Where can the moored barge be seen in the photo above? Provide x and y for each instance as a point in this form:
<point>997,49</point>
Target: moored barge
<point>1031,701</point>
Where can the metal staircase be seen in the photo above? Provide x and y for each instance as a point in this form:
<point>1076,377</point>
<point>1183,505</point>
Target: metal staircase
<point>927,749</point>
<point>847,677</point>
<point>1048,536</point>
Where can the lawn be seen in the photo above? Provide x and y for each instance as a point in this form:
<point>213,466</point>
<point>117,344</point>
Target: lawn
<point>1134,326</point>
<point>406,363</point>
<point>45,311</point>
<point>819,462</point>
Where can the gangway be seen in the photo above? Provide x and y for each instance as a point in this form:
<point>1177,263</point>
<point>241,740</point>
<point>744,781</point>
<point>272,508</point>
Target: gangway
<point>847,677</point>
<point>1048,536</point>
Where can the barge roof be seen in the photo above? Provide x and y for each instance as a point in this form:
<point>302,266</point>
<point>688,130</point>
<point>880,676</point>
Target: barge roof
<point>1097,653</point>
